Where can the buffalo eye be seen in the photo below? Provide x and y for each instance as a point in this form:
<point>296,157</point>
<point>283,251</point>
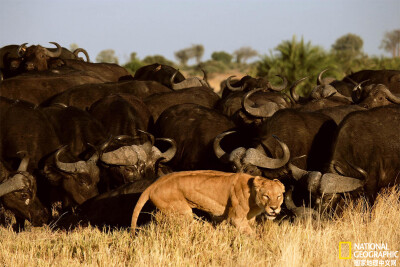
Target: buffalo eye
<point>24,195</point>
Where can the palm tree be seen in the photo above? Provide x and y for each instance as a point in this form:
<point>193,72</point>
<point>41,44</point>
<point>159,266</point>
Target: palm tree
<point>296,60</point>
<point>391,43</point>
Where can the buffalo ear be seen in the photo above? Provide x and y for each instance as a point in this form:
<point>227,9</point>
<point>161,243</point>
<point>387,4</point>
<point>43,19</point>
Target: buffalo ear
<point>52,175</point>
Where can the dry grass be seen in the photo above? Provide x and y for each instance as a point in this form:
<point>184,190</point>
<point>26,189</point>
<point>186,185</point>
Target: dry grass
<point>183,242</point>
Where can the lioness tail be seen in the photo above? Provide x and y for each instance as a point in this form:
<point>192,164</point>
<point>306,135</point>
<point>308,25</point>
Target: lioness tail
<point>139,205</point>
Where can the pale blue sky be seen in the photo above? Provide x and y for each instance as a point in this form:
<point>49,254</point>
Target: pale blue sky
<point>165,26</point>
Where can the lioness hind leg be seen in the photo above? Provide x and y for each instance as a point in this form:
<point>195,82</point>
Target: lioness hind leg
<point>175,207</point>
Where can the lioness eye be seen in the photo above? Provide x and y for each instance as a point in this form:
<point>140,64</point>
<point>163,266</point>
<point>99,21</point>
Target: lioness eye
<point>266,197</point>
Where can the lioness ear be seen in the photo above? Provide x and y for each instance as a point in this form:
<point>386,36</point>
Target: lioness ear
<point>258,182</point>
<point>280,183</point>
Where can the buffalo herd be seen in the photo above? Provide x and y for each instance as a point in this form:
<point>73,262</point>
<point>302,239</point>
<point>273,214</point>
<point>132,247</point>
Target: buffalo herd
<point>79,141</point>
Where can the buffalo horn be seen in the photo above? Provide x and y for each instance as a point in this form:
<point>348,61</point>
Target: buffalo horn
<point>125,155</point>
<point>356,94</point>
<point>80,166</point>
<point>297,173</point>
<point>259,159</point>
<point>21,49</point>
<point>188,83</point>
<point>57,53</point>
<point>230,87</point>
<point>292,89</point>
<point>170,153</point>
<point>23,166</point>
<point>264,111</point>
<point>219,152</point>
<point>320,81</point>
<point>333,183</point>
<point>289,199</point>
<point>299,212</point>
<point>391,97</point>
<point>79,50</point>
<point>151,137</point>
<point>205,78</point>
<point>283,86</point>
<point>173,77</point>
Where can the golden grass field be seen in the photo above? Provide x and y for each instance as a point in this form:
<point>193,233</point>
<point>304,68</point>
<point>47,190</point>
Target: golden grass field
<point>183,242</point>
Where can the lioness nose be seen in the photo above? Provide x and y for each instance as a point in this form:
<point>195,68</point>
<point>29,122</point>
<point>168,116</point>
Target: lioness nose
<point>273,208</point>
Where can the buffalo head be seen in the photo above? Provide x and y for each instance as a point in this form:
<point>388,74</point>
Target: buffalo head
<point>36,57</point>
<point>132,162</point>
<point>373,95</point>
<point>78,180</point>
<point>21,199</point>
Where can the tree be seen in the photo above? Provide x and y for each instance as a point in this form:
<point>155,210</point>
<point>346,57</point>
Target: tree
<point>391,43</point>
<point>296,60</point>
<point>134,64</point>
<point>244,53</point>
<point>73,47</point>
<point>157,59</point>
<point>348,52</point>
<point>198,52</point>
<point>222,56</point>
<point>349,43</point>
<point>107,56</point>
<point>182,56</point>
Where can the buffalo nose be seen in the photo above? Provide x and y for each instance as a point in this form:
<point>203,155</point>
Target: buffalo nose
<point>29,66</point>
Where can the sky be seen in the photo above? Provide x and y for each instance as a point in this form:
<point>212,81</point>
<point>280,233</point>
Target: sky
<point>150,27</point>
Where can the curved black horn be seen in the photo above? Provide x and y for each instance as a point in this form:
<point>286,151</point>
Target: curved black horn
<point>264,111</point>
<point>23,166</point>
<point>230,87</point>
<point>173,77</point>
<point>79,50</point>
<point>57,53</point>
<point>259,159</point>
<point>170,153</point>
<point>205,78</point>
<point>320,81</point>
<point>283,86</point>
<point>292,89</point>
<point>79,166</point>
<point>289,199</point>
<point>21,49</point>
<point>151,137</point>
<point>390,96</point>
<point>219,152</point>
<point>357,90</point>
<point>332,183</point>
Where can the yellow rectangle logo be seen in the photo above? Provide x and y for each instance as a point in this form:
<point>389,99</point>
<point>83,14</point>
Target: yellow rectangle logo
<point>340,250</point>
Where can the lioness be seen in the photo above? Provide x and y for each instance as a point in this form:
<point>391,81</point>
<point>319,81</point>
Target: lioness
<point>237,197</point>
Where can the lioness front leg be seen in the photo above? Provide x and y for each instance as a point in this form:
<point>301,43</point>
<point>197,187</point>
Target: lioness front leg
<point>237,216</point>
<point>243,225</point>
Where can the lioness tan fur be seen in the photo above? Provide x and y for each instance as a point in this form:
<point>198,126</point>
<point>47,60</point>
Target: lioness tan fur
<point>237,197</point>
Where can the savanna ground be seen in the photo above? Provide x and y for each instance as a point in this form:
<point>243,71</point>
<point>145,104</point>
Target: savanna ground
<point>181,242</point>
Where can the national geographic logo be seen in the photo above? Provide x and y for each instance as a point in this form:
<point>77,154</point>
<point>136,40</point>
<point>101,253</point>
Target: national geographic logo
<point>368,254</point>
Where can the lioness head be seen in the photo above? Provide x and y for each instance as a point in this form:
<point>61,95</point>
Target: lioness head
<point>269,195</point>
